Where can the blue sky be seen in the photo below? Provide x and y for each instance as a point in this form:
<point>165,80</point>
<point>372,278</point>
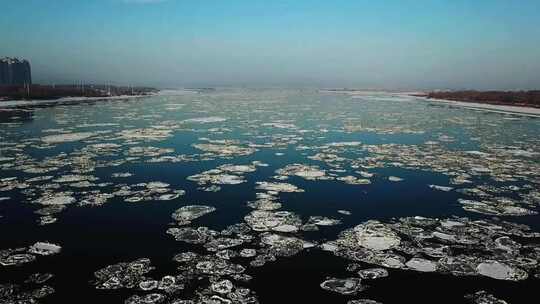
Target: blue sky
<point>407,44</point>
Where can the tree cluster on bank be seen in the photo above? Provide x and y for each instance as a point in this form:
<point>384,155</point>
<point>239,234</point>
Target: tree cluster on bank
<point>518,98</point>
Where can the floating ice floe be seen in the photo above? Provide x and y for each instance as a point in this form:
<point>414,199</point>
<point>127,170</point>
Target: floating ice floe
<point>278,187</point>
<point>304,171</point>
<point>19,256</point>
<point>151,298</point>
<point>148,285</point>
<point>376,236</point>
<point>441,188</point>
<point>496,207</point>
<point>222,287</point>
<point>482,297</point>
<point>211,119</point>
<point>121,175</point>
<point>223,175</point>
<point>282,221</point>
<point>500,271</point>
<point>353,180</point>
<point>279,125</point>
<point>265,201</point>
<point>149,134</point>
<point>186,214</point>
<point>221,243</point>
<point>345,144</point>
<point>147,151</point>
<point>43,248</point>
<point>372,273</point>
<point>67,137</point>
<point>15,257</point>
<point>280,245</point>
<point>56,199</point>
<point>225,149</point>
<point>248,252</point>
<point>321,221</point>
<point>348,286</point>
<point>200,235</point>
<point>421,265</point>
<point>170,196</point>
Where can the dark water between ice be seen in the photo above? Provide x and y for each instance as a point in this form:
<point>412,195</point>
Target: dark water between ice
<point>118,231</point>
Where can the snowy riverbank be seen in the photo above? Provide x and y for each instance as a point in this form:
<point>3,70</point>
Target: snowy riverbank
<point>21,103</point>
<point>516,110</point>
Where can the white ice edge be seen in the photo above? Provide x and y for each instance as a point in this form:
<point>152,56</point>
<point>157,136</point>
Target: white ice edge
<point>18,103</point>
<point>503,109</point>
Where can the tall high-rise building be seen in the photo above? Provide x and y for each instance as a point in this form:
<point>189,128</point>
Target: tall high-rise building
<point>15,72</point>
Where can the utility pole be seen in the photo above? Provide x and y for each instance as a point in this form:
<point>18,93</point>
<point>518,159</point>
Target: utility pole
<point>27,89</point>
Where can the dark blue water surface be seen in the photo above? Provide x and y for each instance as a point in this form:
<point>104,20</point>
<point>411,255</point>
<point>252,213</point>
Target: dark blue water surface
<point>119,231</point>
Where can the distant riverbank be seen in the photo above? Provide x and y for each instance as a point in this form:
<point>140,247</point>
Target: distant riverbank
<point>53,92</point>
<point>64,100</point>
<point>522,110</point>
<point>500,98</point>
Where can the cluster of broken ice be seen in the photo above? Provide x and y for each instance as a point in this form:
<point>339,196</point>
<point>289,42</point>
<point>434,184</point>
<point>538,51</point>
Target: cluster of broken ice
<point>314,173</point>
<point>501,206</point>
<point>482,297</point>
<point>151,191</point>
<point>223,175</point>
<point>275,188</point>
<point>382,130</point>
<point>265,201</point>
<point>304,171</point>
<point>145,134</point>
<point>147,151</point>
<point>85,192</point>
<point>19,256</point>
<point>123,275</point>
<point>186,214</point>
<point>458,246</point>
<point>214,277</point>
<point>281,221</point>
<point>200,235</point>
<point>224,148</point>
<point>32,291</point>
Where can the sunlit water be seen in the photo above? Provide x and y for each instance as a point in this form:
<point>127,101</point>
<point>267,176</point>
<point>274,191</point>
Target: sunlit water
<point>369,137</point>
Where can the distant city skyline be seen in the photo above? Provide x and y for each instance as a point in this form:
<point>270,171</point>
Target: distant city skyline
<point>14,71</point>
<point>410,45</point>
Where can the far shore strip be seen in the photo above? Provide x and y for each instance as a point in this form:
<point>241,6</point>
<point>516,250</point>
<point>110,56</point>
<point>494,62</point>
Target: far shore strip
<point>21,103</point>
<point>504,109</point>
<point>486,107</point>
